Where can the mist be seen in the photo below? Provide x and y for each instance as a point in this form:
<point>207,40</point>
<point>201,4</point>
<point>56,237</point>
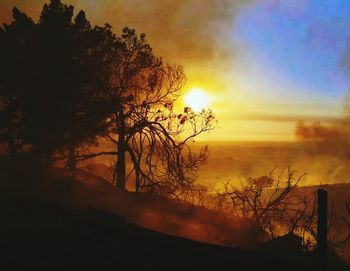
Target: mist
<point>182,31</point>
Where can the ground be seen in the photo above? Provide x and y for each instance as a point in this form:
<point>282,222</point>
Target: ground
<point>58,222</point>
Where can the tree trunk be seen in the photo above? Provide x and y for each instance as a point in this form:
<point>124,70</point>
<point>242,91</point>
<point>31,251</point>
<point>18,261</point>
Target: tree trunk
<point>137,180</point>
<point>137,169</point>
<point>120,166</point>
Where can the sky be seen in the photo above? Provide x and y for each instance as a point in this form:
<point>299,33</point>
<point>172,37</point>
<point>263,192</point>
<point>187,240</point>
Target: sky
<point>263,63</point>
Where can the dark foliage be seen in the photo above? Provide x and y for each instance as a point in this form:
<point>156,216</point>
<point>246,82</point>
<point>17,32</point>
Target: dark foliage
<point>52,80</point>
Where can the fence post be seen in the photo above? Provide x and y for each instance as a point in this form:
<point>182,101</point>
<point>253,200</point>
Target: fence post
<point>322,196</point>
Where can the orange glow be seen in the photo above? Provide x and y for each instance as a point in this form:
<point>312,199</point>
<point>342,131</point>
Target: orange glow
<point>197,99</point>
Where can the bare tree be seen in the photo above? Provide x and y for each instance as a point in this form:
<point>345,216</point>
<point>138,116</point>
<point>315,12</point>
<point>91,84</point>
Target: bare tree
<point>268,201</point>
<point>145,128</point>
<point>345,240</point>
<point>338,226</point>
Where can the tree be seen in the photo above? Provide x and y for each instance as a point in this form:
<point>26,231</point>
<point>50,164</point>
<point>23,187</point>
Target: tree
<point>344,241</point>
<point>144,124</point>
<point>77,83</point>
<point>268,201</point>
<point>338,226</point>
<point>59,86</point>
<point>16,43</point>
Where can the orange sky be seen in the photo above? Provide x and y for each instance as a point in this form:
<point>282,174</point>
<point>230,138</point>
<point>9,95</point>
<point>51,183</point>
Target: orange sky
<point>251,102</point>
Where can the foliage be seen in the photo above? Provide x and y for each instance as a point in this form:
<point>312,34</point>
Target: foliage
<point>51,81</point>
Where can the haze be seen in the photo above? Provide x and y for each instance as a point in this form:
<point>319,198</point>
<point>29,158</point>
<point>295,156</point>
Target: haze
<point>268,63</point>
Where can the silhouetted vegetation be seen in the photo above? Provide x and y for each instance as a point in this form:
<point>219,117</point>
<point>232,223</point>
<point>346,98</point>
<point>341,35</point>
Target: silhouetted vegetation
<point>52,82</point>
<point>144,124</point>
<point>65,84</point>
<point>268,201</point>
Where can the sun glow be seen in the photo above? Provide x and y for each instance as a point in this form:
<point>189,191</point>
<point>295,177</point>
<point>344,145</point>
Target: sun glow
<point>197,99</point>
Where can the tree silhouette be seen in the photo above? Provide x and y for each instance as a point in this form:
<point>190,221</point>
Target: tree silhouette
<point>144,124</point>
<point>338,226</point>
<point>16,43</point>
<point>268,201</point>
<point>63,84</point>
<point>52,81</point>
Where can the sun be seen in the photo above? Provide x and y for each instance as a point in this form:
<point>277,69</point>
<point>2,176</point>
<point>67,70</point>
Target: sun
<point>197,99</point>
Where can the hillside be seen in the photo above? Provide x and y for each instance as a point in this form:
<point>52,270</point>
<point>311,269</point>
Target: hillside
<point>60,222</point>
<point>49,236</point>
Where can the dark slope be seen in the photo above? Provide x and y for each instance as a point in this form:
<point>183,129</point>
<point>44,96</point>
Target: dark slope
<point>42,235</point>
<point>44,228</point>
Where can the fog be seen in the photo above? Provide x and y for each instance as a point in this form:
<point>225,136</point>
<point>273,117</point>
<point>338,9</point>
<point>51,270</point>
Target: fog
<point>324,162</point>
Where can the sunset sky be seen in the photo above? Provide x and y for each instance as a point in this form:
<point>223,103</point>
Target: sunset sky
<point>263,64</point>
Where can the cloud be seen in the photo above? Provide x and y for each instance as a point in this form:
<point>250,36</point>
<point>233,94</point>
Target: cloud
<point>181,31</point>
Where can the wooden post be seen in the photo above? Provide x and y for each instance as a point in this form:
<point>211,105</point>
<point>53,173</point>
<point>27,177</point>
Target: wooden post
<point>322,196</point>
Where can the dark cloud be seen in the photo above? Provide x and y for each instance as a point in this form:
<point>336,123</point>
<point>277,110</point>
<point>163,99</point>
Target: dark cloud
<point>317,131</point>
